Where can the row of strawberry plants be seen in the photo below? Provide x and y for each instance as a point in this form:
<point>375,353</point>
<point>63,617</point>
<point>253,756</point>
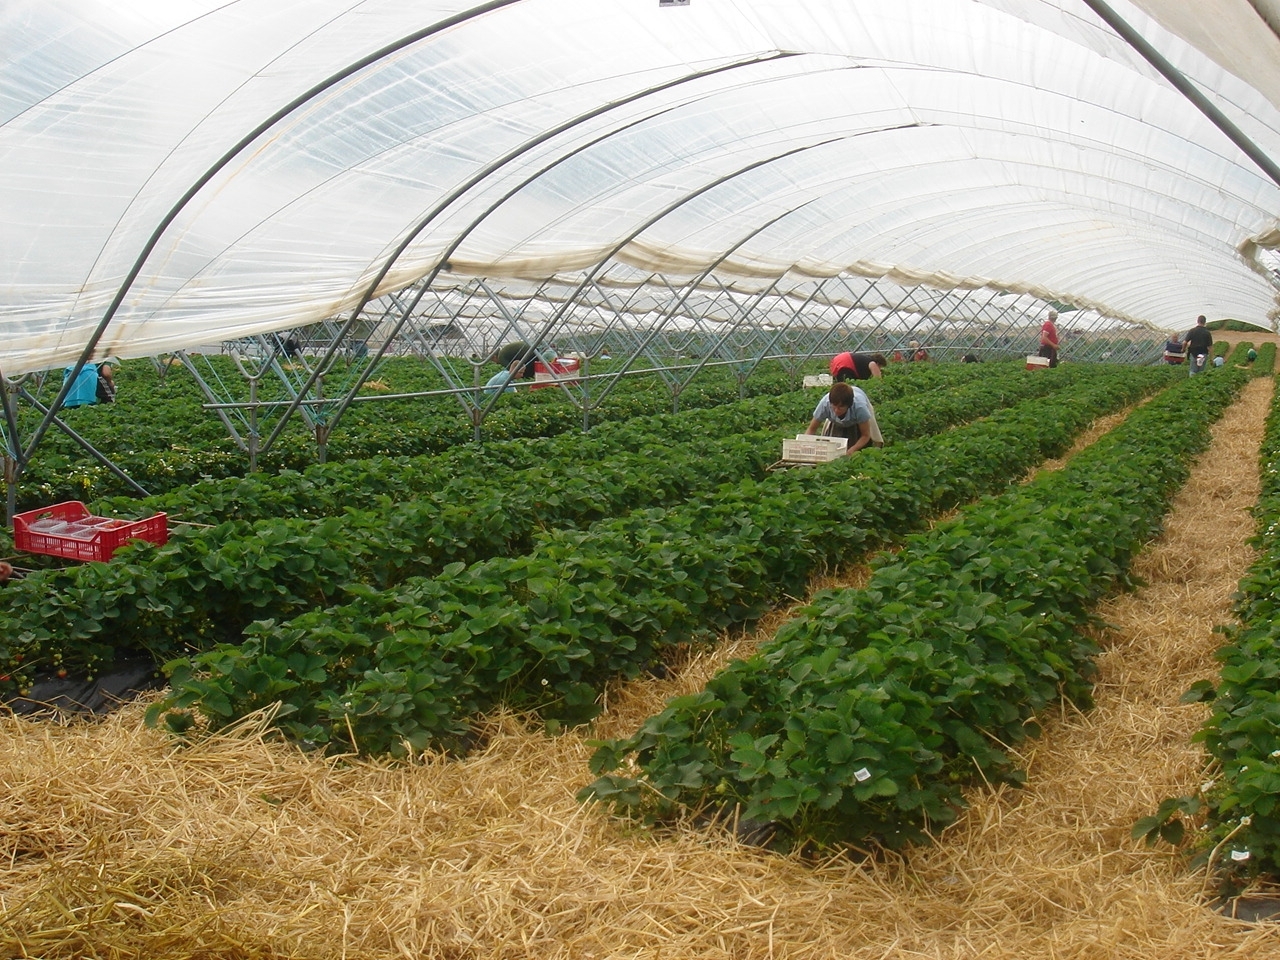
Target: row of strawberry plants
<point>1264,361</point>
<point>329,489</point>
<point>414,665</point>
<point>208,584</point>
<point>1239,807</point>
<point>159,433</point>
<point>864,719</point>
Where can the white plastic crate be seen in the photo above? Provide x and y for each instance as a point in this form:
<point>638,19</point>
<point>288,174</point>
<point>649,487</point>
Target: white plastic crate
<point>812,449</point>
<point>1037,363</point>
<point>817,380</point>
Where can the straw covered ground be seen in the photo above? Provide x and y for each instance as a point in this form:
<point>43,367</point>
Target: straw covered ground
<point>115,843</point>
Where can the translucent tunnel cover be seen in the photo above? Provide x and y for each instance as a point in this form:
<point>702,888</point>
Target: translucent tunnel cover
<point>180,172</point>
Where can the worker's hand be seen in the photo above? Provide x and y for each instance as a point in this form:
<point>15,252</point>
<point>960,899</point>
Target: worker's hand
<point>864,438</point>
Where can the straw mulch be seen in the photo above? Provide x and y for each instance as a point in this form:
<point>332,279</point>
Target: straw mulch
<point>116,843</point>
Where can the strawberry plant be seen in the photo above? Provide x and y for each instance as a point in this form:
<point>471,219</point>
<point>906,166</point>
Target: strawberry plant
<point>206,585</point>
<point>868,714</point>
<point>584,606</point>
<point>1239,806</point>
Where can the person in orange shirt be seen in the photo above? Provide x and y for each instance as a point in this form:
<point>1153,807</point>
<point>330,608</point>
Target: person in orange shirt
<point>1049,338</point>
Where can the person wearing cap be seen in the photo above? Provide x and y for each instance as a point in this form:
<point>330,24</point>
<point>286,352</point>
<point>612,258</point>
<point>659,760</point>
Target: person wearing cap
<point>845,412</point>
<point>1049,338</point>
<point>918,352</point>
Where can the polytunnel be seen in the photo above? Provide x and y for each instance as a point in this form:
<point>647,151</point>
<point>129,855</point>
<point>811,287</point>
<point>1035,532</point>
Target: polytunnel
<point>730,179</point>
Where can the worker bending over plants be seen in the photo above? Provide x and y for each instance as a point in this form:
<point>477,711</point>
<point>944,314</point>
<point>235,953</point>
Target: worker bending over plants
<point>846,412</point>
<point>857,366</point>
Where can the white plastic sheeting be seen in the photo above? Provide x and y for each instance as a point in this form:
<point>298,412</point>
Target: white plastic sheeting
<point>176,172</point>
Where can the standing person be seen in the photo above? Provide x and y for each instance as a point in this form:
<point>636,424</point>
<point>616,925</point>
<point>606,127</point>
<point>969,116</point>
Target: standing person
<point>846,412</point>
<point>1049,338</point>
<point>857,366</point>
<point>1175,351</point>
<point>1199,343</point>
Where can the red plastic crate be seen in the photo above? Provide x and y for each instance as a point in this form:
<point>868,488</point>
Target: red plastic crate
<point>70,530</point>
<point>560,370</point>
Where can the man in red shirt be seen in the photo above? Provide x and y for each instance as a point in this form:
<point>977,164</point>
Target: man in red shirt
<point>1049,338</point>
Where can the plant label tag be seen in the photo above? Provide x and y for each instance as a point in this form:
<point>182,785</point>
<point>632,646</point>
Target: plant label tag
<point>1239,855</point>
<point>861,775</point>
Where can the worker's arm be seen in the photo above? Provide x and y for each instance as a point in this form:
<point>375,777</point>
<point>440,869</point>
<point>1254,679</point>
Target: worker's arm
<point>815,427</point>
<point>864,438</point>
<point>875,369</point>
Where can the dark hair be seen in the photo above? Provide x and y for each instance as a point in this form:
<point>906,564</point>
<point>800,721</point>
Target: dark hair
<point>841,393</point>
<point>879,360</point>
